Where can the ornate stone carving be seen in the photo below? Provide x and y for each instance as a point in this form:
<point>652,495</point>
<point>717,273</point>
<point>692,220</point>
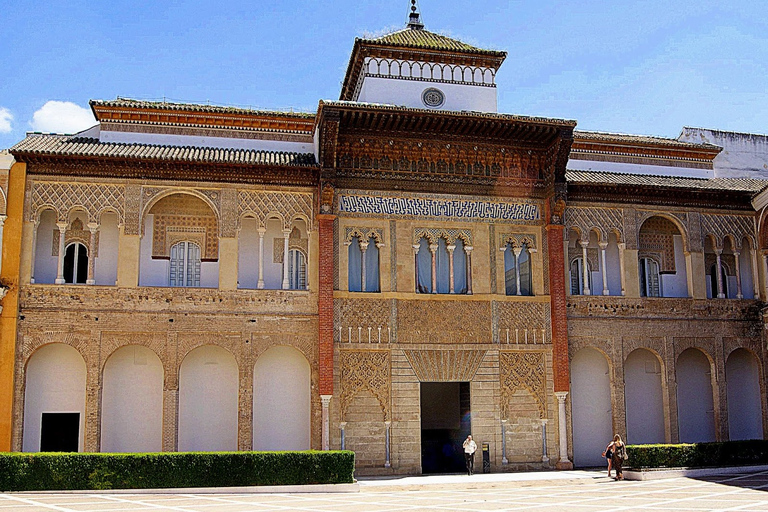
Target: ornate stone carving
<point>735,227</point>
<point>517,240</point>
<point>523,371</point>
<point>449,235</point>
<point>526,321</point>
<point>94,198</point>
<point>365,370</point>
<point>363,234</point>
<point>359,315</point>
<point>287,205</point>
<point>445,365</point>
<point>602,220</point>
<point>449,322</point>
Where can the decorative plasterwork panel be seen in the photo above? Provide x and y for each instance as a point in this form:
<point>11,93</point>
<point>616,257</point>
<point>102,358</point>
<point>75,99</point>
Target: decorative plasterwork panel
<point>364,370</point>
<point>75,233</point>
<point>445,365</point>
<point>522,371</point>
<point>602,220</point>
<point>517,240</point>
<point>363,234</point>
<point>94,198</point>
<point>287,205</point>
<point>721,226</point>
<point>444,322</point>
<point>524,322</point>
<point>449,235</point>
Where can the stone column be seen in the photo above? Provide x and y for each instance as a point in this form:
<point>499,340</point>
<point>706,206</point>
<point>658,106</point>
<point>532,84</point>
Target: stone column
<point>286,233</point>
<point>720,294</point>
<point>604,269</point>
<point>544,456</point>
<point>92,434</point>
<point>504,459</point>
<point>260,284</point>
<point>416,248</point>
<point>326,400</point>
<point>765,274</point>
<point>468,252</point>
<point>755,274</point>
<point>585,268</point>
<point>622,248</point>
<point>433,250</point>
<point>516,251</point>
<point>62,234</point>
<point>387,427</point>
<point>363,249</point>
<point>736,255</point>
<point>564,462</point>
<point>93,228</point>
<point>343,428</point>
<point>35,226</point>
<point>450,248</point>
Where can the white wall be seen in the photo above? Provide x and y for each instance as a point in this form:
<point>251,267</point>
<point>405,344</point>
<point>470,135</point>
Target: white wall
<point>591,409</point>
<point>105,264</point>
<point>132,401</point>
<point>248,254</point>
<point>676,285</point>
<point>165,139</point>
<point>695,407</point>
<point>55,382</point>
<point>273,272</point>
<point>281,400</point>
<point>745,414</point>
<point>643,398</point>
<point>208,398</point>
<point>745,264</point>
<point>628,168</point>
<point>613,266</point>
<point>407,93</point>
<point>744,155</point>
<point>45,263</point>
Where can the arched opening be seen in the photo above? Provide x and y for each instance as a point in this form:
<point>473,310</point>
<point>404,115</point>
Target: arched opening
<point>75,263</point>
<point>184,268</point>
<point>695,406</point>
<point>106,255</point>
<point>249,247</point>
<point>517,270</point>
<point>297,270</point>
<point>643,398</point>
<point>132,401</point>
<point>577,273</point>
<point>591,408</point>
<point>661,241</point>
<point>54,400</point>
<point>208,397</point>
<point>281,400</point>
<point>747,268</point>
<point>360,252</point>
<point>423,267</point>
<point>745,411</point>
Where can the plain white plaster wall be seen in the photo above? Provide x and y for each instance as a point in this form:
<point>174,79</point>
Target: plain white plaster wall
<point>613,266</point>
<point>132,401</point>
<point>590,407</point>
<point>745,264</point>
<point>46,264</point>
<point>695,407</point>
<point>407,93</point>
<point>55,382</point>
<point>105,264</point>
<point>248,254</point>
<point>164,139</point>
<point>744,155</point>
<point>281,400</point>
<point>643,398</point>
<point>208,397</point>
<point>745,412</point>
<point>676,285</point>
<point>627,168</point>
<point>273,272</point>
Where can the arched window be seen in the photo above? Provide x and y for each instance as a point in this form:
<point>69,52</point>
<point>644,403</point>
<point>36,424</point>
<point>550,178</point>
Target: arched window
<point>517,268</point>
<point>713,280</point>
<point>577,276</point>
<point>451,264</point>
<point>185,264</point>
<point>423,267</point>
<point>297,270</point>
<point>650,284</point>
<point>363,278</point>
<point>75,263</point>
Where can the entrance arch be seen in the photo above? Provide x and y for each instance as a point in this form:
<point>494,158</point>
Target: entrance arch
<point>591,408</point>
<point>695,406</point>
<point>745,413</point>
<point>643,397</point>
<point>281,400</point>
<point>208,395</point>
<point>54,394</point>
<point>132,401</point>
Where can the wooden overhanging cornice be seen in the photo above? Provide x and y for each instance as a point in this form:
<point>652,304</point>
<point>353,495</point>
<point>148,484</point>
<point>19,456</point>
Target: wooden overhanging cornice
<point>587,145</point>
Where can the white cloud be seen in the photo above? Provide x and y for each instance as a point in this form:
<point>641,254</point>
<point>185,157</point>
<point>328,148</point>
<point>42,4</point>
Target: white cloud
<point>62,117</point>
<point>5,120</point>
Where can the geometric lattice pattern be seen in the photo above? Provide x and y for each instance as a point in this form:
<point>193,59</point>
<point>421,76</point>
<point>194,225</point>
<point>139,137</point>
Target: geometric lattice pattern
<point>657,239</point>
<point>359,315</point>
<point>522,371</point>
<point>445,365</point>
<point>602,220</point>
<point>364,370</point>
<point>526,321</point>
<point>94,198</point>
<point>288,205</point>
<point>721,226</point>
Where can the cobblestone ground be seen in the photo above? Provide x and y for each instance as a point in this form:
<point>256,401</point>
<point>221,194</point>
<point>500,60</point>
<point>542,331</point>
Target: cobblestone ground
<point>572,492</point>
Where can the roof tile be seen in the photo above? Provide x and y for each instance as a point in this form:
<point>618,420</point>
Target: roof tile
<point>610,178</point>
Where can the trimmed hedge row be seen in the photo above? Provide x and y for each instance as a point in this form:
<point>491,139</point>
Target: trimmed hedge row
<point>97,471</point>
<point>730,453</point>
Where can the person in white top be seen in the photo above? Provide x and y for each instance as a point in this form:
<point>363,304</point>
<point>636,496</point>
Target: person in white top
<point>470,447</point>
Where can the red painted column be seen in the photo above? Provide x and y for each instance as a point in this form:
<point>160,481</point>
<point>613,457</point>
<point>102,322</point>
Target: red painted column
<point>558,307</point>
<point>325,302</point>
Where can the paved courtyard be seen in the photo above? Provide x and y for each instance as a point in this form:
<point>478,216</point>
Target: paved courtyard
<point>573,491</point>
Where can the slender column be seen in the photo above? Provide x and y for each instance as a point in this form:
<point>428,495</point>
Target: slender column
<point>544,457</point>
<point>387,426</point>
<point>450,248</point>
<point>416,263</point>
<point>468,252</point>
<point>603,269</point>
<point>517,251</point>
<point>363,248</point>
<point>2,222</point>
<point>93,228</point>
<point>564,462</point>
<point>755,275</point>
<point>62,233</point>
<point>504,459</point>
<point>326,400</point>
<point>433,250</point>
<point>736,255</point>
<point>286,233</point>
<point>585,269</point>
<point>622,247</point>
<point>720,294</point>
<point>260,284</point>
<point>35,226</point>
<point>765,274</point>
<point>343,427</point>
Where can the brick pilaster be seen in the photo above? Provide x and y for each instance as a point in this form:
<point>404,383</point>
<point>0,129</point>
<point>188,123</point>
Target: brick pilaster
<point>325,302</point>
<point>558,307</point>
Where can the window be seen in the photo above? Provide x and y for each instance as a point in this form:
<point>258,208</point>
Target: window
<point>185,264</point>
<point>713,280</point>
<point>443,260</point>
<point>512,276</point>
<point>297,270</point>
<point>650,283</point>
<point>360,274</point>
<point>577,276</point>
<point>75,263</point>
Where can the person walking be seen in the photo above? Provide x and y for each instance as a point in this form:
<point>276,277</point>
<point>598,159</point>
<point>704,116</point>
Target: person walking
<point>608,454</point>
<point>470,447</point>
<point>619,456</point>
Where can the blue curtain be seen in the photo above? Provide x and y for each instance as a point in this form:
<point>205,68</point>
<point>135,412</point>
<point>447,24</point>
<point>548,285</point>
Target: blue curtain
<point>372,267</point>
<point>355,272</point>
<point>424,259</point>
<point>459,268</point>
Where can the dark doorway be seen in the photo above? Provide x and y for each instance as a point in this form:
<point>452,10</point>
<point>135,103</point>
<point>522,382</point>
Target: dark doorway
<point>60,432</point>
<point>445,423</point>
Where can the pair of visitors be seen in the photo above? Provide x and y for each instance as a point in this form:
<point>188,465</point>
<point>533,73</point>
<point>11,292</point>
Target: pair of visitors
<point>616,453</point>
<point>470,447</point>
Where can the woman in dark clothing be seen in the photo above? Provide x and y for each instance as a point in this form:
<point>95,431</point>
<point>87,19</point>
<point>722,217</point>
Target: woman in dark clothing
<point>619,454</point>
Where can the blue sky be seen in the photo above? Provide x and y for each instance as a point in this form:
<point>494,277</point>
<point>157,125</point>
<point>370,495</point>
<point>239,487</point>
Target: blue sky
<point>644,67</point>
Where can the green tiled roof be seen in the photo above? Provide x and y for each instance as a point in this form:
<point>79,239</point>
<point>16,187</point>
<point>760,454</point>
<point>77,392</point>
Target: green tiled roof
<point>613,178</point>
<point>424,39</point>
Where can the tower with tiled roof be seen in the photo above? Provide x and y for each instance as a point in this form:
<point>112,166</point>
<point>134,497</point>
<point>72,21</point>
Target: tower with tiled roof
<point>416,68</point>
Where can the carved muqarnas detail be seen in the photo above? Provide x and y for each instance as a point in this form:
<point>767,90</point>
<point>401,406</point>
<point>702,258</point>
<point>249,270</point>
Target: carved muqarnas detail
<point>181,218</point>
<point>522,371</point>
<point>449,235</point>
<point>364,370</point>
<point>445,365</point>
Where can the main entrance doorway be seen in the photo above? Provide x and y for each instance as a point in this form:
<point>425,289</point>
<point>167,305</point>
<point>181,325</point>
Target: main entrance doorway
<point>445,423</point>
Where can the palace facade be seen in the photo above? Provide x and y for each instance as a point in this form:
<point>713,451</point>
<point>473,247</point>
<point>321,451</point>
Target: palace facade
<point>400,268</point>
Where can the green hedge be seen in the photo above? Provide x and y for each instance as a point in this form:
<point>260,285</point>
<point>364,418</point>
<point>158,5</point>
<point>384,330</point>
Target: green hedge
<point>731,453</point>
<point>96,471</point>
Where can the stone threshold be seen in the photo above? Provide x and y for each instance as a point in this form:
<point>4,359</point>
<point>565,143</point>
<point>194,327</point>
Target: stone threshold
<point>660,473</point>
